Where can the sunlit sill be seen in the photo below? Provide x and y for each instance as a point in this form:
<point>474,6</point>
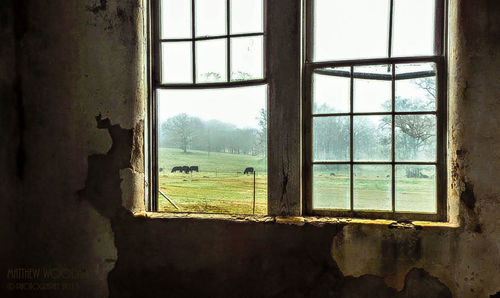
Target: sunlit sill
<point>295,220</point>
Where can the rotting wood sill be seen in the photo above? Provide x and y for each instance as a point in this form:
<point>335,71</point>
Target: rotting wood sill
<point>297,220</point>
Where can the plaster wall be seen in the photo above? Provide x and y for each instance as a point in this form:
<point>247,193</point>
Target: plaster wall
<point>72,87</point>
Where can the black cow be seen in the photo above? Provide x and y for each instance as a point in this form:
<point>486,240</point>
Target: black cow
<point>193,168</point>
<point>248,171</point>
<point>184,169</point>
<point>332,174</point>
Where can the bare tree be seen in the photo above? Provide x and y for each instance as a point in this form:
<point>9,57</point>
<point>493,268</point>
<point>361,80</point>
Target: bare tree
<point>262,133</point>
<point>180,130</point>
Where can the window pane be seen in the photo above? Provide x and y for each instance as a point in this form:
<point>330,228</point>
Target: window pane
<point>211,63</point>
<point>372,138</point>
<point>418,92</point>
<point>331,138</point>
<point>176,19</point>
<point>210,17</point>
<point>220,135</point>
<point>247,58</point>
<point>372,88</point>
<point>331,90</point>
<point>413,27</point>
<point>176,66</point>
<point>415,138</point>
<point>350,29</point>
<point>416,188</point>
<point>246,16</point>
<point>331,187</point>
<point>372,187</point>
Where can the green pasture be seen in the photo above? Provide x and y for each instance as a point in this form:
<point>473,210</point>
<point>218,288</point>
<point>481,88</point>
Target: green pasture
<point>221,187</point>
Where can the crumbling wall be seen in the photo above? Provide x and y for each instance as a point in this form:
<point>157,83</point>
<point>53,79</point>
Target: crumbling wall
<point>73,99</point>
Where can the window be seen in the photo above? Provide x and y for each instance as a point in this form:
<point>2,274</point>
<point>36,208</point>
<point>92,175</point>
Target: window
<point>375,109</point>
<point>209,107</point>
<point>339,107</point>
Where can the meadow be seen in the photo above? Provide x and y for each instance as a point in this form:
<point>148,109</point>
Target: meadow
<point>220,186</point>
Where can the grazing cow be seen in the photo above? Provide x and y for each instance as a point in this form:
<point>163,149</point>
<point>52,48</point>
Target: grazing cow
<point>332,174</point>
<point>193,168</point>
<point>176,169</point>
<point>248,171</point>
<point>185,169</point>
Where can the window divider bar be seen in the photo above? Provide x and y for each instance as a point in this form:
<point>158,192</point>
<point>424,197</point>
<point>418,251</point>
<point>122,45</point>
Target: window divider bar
<point>422,163</point>
<point>391,13</point>
<point>376,113</point>
<point>393,135</point>
<point>228,39</point>
<point>373,61</point>
<point>193,34</point>
<point>351,138</point>
<point>233,84</point>
<point>202,38</point>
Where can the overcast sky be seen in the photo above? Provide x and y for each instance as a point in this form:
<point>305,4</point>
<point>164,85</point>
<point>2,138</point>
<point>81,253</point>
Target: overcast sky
<point>343,30</point>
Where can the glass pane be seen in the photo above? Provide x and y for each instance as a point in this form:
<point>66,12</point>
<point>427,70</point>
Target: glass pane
<point>210,144</point>
<point>176,62</point>
<point>372,138</point>
<point>331,138</point>
<point>331,187</point>
<point>211,62</point>
<point>331,90</point>
<point>415,138</point>
<point>416,188</point>
<point>351,29</point>
<point>372,88</point>
<point>176,19</point>
<point>247,58</point>
<point>210,17</point>
<point>246,16</point>
<point>413,27</point>
<point>372,187</point>
<point>415,87</point>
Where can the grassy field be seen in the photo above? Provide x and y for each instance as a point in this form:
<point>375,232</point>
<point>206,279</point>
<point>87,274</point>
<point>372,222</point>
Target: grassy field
<point>221,187</point>
<point>372,189</point>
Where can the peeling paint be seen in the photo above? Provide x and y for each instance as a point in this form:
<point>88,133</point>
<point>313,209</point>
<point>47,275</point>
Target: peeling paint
<point>467,196</point>
<point>102,6</point>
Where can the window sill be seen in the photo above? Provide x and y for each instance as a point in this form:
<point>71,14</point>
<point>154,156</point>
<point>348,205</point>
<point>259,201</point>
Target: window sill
<point>297,220</point>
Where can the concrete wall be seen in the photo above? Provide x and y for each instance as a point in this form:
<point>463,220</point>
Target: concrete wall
<point>72,114</point>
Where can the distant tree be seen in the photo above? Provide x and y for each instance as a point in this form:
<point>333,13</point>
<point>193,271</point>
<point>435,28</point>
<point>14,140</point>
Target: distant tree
<point>415,131</point>
<point>261,139</point>
<point>211,76</point>
<point>240,76</point>
<point>180,130</point>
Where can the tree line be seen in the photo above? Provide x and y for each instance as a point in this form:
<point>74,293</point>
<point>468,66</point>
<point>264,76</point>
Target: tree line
<point>192,133</point>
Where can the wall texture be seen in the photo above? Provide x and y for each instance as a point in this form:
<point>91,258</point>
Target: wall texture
<point>72,117</point>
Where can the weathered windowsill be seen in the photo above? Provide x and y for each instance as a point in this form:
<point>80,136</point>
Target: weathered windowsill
<point>297,220</point>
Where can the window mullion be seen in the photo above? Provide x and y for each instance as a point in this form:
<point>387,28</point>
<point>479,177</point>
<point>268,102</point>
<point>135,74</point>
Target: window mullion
<point>351,139</point>
<point>391,13</point>
<point>393,135</point>
<point>193,34</point>
<point>284,105</point>
<point>228,43</point>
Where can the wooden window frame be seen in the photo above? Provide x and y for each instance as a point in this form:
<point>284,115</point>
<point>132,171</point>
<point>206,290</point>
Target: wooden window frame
<point>282,55</point>
<point>439,58</point>
<point>288,69</point>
